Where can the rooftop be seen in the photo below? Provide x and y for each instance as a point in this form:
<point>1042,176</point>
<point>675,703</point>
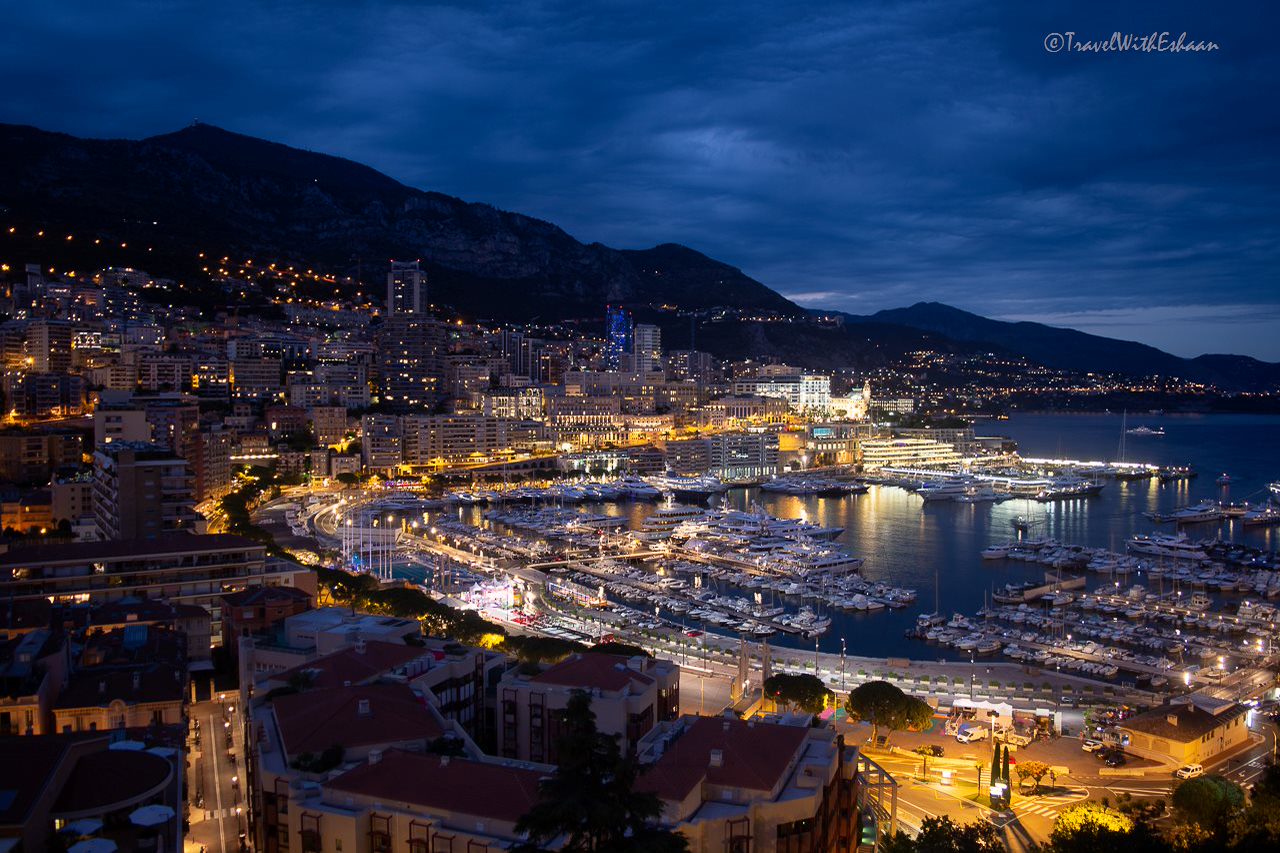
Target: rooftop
<point>95,688</point>
<point>354,665</point>
<point>602,671</point>
<point>132,774</point>
<point>461,786</point>
<point>261,595</point>
<point>39,758</point>
<point>86,552</point>
<point>755,756</point>
<point>318,719</point>
<point>1191,723</point>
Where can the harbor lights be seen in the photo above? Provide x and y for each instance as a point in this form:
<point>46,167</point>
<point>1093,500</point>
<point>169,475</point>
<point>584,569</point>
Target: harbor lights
<point>1186,678</point>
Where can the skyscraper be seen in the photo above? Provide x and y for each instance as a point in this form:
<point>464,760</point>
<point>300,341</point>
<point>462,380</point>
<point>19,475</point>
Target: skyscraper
<point>406,289</point>
<point>618,330</point>
<point>647,348</point>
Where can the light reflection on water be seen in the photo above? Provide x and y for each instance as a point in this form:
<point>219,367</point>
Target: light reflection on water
<point>906,542</point>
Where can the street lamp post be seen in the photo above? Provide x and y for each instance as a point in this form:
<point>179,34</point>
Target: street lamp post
<point>842,650</point>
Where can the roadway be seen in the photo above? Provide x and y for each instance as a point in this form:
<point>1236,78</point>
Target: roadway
<point>216,778</point>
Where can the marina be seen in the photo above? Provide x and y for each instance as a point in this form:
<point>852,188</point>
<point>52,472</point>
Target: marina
<point>804,563</point>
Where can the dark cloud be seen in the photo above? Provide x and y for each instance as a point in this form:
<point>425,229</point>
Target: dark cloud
<point>856,156</point>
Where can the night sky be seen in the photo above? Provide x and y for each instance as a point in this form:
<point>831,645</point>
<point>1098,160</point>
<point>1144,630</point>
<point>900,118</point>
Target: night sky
<point>852,156</point>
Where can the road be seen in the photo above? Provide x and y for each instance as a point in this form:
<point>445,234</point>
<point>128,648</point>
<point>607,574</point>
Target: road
<point>216,776</point>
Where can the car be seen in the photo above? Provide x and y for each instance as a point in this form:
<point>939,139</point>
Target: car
<point>1091,745</point>
<point>1115,758</point>
<point>1189,771</point>
<point>1015,739</point>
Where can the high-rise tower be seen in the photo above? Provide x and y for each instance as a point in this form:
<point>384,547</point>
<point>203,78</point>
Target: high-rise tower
<point>406,289</point>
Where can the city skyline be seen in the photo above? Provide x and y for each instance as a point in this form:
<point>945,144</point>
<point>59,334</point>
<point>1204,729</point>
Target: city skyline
<point>856,158</point>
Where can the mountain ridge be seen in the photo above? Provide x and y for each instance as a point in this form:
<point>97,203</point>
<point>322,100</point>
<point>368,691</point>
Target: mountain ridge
<point>203,187</point>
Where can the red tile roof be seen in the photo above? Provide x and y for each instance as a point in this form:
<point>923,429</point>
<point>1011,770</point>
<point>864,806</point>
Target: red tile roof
<point>355,667</point>
<point>753,756</point>
<point>606,672</point>
<point>315,720</point>
<point>458,785</point>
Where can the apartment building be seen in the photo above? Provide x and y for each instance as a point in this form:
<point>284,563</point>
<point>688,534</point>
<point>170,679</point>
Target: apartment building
<point>628,695</point>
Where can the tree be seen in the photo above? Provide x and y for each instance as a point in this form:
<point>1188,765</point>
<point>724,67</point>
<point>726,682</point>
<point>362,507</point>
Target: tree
<point>591,798</point>
<point>1092,826</point>
<point>882,704</point>
<point>1208,801</point>
<point>1004,774</point>
<point>806,692</point>
<point>1033,770</point>
<point>941,835</point>
<point>613,647</point>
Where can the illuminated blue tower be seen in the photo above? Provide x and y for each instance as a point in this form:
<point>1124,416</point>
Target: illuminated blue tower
<point>619,330</point>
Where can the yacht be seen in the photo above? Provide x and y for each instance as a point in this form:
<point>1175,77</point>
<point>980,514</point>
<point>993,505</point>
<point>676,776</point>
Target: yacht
<point>1224,479</point>
<point>995,552</point>
<point>1162,545</point>
<point>1145,430</point>
<point>982,494</point>
<point>664,521</point>
<point>943,490</point>
<point>1204,511</point>
<point>1275,490</point>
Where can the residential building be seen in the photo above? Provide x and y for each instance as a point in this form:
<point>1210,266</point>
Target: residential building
<point>258,610</point>
<point>629,696</point>
<point>453,677</point>
<point>180,568</point>
<point>141,491</point>
<point>34,667</point>
<point>381,442</point>
<point>29,456</point>
<point>410,361</point>
<point>406,289</point>
<point>753,785</point>
<point>646,348</point>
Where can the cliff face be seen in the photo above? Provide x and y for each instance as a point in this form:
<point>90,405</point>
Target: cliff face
<point>204,188</point>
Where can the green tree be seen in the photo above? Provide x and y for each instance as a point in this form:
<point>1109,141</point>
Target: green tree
<point>591,800</point>
<point>1208,801</point>
<point>806,692</point>
<point>882,704</point>
<point>1033,770</point>
<point>1092,826</point>
<point>941,835</point>
<point>1004,770</point>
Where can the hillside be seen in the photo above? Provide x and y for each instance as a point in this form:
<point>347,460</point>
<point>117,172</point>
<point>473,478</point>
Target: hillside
<point>1070,349</point>
<point>204,189</point>
<point>207,188</point>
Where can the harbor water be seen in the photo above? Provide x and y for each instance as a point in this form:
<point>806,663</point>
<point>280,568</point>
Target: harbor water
<point>909,543</point>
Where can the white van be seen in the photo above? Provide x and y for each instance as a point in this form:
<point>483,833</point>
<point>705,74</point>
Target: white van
<point>971,734</point>
<point>1189,771</point>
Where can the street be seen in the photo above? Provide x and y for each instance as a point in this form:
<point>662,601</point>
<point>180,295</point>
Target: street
<point>216,778</point>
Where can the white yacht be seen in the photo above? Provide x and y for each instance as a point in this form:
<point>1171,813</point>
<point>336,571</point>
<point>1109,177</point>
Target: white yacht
<point>943,490</point>
<point>664,521</point>
<point>1162,545</point>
